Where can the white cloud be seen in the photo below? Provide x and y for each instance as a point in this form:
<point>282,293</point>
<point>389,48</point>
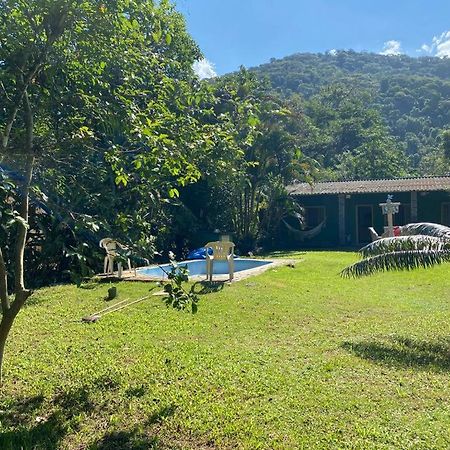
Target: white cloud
<point>204,69</point>
<point>440,45</point>
<point>392,48</point>
<point>333,52</point>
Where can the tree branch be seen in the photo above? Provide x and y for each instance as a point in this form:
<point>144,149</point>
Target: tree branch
<point>24,194</point>
<point>34,70</point>
<point>18,100</point>
<point>3,284</point>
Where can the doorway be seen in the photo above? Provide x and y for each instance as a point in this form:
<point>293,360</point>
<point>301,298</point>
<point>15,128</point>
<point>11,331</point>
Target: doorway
<point>364,220</point>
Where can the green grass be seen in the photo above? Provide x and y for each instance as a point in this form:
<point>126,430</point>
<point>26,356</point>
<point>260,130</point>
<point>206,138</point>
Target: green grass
<point>293,358</point>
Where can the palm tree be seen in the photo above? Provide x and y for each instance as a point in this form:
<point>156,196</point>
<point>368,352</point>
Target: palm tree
<point>418,245</point>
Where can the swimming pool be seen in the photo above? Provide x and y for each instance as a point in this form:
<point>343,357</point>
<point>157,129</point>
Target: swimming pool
<point>197,267</point>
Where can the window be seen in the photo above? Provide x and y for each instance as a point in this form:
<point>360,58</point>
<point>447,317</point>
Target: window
<point>314,215</point>
<point>445,214</point>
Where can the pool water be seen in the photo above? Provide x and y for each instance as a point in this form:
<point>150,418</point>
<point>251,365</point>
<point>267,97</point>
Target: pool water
<point>197,267</point>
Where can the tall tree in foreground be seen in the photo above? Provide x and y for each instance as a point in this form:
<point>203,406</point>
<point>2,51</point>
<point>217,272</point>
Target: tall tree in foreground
<point>28,36</point>
<point>84,81</point>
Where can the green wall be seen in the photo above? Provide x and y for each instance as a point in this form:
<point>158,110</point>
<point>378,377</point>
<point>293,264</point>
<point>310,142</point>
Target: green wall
<point>329,236</point>
<point>429,206</point>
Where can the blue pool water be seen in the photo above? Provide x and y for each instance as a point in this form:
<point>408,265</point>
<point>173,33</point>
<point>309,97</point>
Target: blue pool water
<point>198,267</point>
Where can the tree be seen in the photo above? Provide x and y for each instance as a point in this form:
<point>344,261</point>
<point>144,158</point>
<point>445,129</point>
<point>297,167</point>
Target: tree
<point>446,143</point>
<point>104,90</point>
<point>418,245</point>
<point>259,154</point>
<point>349,138</point>
<point>27,41</point>
<point>379,156</point>
<point>410,94</point>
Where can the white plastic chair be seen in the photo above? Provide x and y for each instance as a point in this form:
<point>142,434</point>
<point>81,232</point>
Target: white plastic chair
<point>110,246</point>
<point>222,251</point>
<point>373,234</point>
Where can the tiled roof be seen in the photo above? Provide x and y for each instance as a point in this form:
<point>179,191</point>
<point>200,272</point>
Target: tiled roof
<point>372,186</point>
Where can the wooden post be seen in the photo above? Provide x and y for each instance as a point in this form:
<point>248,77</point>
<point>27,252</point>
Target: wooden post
<point>390,220</point>
<point>413,206</point>
<point>341,205</point>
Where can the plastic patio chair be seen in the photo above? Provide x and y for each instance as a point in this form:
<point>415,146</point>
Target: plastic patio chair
<point>222,251</point>
<point>373,234</point>
<point>110,246</point>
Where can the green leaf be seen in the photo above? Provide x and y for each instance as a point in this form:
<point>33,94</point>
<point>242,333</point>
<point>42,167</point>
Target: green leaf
<point>121,179</point>
<point>399,243</point>
<point>401,260</point>
<point>174,193</point>
<point>253,121</point>
<point>156,35</point>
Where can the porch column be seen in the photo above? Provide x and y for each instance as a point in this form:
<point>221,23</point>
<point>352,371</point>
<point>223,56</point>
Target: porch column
<point>413,206</point>
<point>341,204</point>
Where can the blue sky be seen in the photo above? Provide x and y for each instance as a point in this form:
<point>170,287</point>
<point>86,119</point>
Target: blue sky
<point>250,32</point>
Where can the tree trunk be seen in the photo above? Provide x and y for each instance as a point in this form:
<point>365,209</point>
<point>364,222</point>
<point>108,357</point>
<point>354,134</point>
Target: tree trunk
<point>20,292</point>
<point>59,14</point>
<point>5,327</point>
<point>7,321</point>
<point>3,284</point>
<point>22,227</point>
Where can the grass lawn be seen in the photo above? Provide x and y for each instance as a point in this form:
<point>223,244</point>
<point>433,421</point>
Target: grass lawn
<point>293,358</point>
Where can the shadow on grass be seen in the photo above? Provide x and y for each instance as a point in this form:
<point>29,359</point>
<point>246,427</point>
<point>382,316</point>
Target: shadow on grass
<point>208,287</point>
<point>136,391</point>
<point>161,414</point>
<point>29,430</point>
<point>126,440</point>
<point>404,352</point>
<point>37,423</point>
<point>135,439</point>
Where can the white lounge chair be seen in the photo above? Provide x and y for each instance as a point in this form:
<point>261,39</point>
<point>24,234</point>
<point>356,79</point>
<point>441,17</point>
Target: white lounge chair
<point>222,251</point>
<point>373,234</point>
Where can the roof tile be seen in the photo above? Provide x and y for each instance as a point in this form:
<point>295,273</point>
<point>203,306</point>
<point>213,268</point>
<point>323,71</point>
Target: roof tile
<point>372,186</point>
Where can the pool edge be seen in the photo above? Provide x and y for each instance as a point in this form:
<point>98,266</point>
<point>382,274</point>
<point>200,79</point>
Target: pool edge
<point>238,276</point>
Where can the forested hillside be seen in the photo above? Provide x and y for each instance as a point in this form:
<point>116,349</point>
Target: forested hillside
<point>344,91</point>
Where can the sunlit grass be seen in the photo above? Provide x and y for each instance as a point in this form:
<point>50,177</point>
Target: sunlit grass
<point>293,358</point>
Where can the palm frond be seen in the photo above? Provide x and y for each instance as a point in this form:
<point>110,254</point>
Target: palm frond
<point>425,228</point>
<point>400,260</point>
<point>402,243</point>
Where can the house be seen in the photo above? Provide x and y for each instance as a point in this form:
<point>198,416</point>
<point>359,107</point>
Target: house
<point>339,213</point>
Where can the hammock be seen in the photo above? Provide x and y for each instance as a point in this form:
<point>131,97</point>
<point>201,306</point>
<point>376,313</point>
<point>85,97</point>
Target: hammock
<point>305,234</point>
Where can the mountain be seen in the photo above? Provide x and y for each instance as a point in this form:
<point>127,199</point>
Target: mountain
<point>412,96</point>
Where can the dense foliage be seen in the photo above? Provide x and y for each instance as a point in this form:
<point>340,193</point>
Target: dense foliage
<point>242,187</point>
<point>100,124</point>
<point>410,96</point>
<point>129,143</point>
<point>116,126</point>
